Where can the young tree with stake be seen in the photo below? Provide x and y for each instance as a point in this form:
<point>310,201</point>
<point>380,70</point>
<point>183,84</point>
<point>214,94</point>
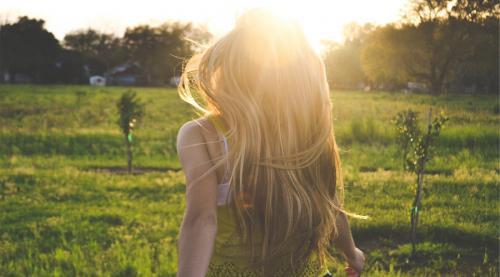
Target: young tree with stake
<point>131,111</point>
<point>416,149</point>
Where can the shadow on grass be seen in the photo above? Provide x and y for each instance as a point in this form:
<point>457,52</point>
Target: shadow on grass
<point>444,250</point>
<point>110,219</point>
<point>152,193</point>
<point>387,235</point>
<point>443,171</point>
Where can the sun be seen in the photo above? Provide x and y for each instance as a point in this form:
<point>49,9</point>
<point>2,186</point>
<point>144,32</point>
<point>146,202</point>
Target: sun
<point>309,15</point>
<point>326,19</point>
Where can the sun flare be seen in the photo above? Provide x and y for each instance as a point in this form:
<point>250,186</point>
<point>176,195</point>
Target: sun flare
<point>325,20</point>
<point>319,19</point>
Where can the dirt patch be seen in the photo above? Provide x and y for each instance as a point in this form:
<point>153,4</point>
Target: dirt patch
<point>135,170</point>
<point>446,172</point>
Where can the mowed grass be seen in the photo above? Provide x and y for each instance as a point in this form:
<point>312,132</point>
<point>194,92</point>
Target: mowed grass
<point>66,208</point>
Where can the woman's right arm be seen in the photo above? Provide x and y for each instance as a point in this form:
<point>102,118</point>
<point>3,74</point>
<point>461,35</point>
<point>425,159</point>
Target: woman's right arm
<point>199,226</point>
<point>345,243</point>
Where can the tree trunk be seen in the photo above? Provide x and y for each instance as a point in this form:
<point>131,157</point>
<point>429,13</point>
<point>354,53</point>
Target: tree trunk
<point>420,181</point>
<point>129,155</point>
<point>415,212</point>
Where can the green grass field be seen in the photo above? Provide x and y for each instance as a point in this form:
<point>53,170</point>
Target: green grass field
<point>67,209</point>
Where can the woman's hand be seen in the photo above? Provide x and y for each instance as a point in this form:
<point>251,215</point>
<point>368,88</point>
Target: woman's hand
<point>345,244</point>
<point>355,263</point>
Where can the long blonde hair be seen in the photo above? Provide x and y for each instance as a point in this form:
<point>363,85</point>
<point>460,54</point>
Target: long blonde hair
<point>268,87</point>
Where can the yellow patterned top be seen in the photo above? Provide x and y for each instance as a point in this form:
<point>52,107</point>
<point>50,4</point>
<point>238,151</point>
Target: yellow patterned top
<point>230,258</point>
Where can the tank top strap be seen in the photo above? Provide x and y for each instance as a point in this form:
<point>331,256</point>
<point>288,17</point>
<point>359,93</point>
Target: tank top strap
<point>226,147</point>
<point>219,126</point>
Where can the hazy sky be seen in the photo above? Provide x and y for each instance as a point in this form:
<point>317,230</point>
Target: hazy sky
<point>320,19</point>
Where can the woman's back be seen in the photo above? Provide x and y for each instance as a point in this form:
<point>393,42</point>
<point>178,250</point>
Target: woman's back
<point>231,256</point>
<point>277,164</point>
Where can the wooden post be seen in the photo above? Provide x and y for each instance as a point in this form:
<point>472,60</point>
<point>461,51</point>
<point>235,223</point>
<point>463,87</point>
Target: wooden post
<point>129,154</point>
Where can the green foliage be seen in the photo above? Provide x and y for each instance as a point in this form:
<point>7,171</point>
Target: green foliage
<point>100,51</point>
<point>131,111</point>
<point>408,132</point>
<point>342,61</point>
<point>381,58</point>
<point>160,50</point>
<point>446,45</point>
<point>414,144</point>
<point>423,144</point>
<point>28,48</point>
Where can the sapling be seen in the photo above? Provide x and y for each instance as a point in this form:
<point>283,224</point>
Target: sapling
<point>131,111</point>
<point>417,153</point>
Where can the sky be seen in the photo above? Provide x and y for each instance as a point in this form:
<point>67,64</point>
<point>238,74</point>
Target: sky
<point>319,19</point>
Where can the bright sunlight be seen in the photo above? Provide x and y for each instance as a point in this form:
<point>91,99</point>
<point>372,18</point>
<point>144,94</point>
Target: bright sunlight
<point>319,19</point>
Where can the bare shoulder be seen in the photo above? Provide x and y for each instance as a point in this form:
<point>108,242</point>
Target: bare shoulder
<point>194,132</point>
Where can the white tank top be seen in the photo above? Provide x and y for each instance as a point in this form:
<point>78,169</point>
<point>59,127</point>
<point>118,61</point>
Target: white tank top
<point>223,189</point>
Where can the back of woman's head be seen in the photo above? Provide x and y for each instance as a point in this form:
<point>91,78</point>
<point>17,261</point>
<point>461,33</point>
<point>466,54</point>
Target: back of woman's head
<point>268,87</point>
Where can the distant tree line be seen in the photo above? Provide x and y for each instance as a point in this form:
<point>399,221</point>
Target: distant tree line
<point>29,51</point>
<point>439,46</point>
<point>445,45</point>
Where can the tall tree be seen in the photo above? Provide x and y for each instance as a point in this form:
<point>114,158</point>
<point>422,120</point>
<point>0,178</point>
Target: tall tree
<point>161,50</point>
<point>448,33</point>
<point>436,37</point>
<point>101,51</point>
<point>28,48</point>
<point>381,57</point>
<point>480,70</point>
<point>71,67</point>
<point>464,10</point>
<point>343,63</point>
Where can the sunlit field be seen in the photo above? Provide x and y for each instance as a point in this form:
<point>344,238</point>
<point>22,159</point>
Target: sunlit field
<point>67,208</point>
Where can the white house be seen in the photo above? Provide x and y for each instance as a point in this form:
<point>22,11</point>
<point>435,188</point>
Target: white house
<point>97,81</point>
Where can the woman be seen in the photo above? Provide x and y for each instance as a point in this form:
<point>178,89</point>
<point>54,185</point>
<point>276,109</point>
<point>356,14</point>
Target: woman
<point>264,184</point>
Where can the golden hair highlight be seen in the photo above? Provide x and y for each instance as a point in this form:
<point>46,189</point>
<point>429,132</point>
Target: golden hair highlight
<point>268,87</point>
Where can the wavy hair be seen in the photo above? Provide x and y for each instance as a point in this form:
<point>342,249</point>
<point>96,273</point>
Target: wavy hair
<point>268,87</point>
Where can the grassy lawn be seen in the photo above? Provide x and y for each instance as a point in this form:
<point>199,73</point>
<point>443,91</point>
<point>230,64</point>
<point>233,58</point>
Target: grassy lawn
<point>66,209</point>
